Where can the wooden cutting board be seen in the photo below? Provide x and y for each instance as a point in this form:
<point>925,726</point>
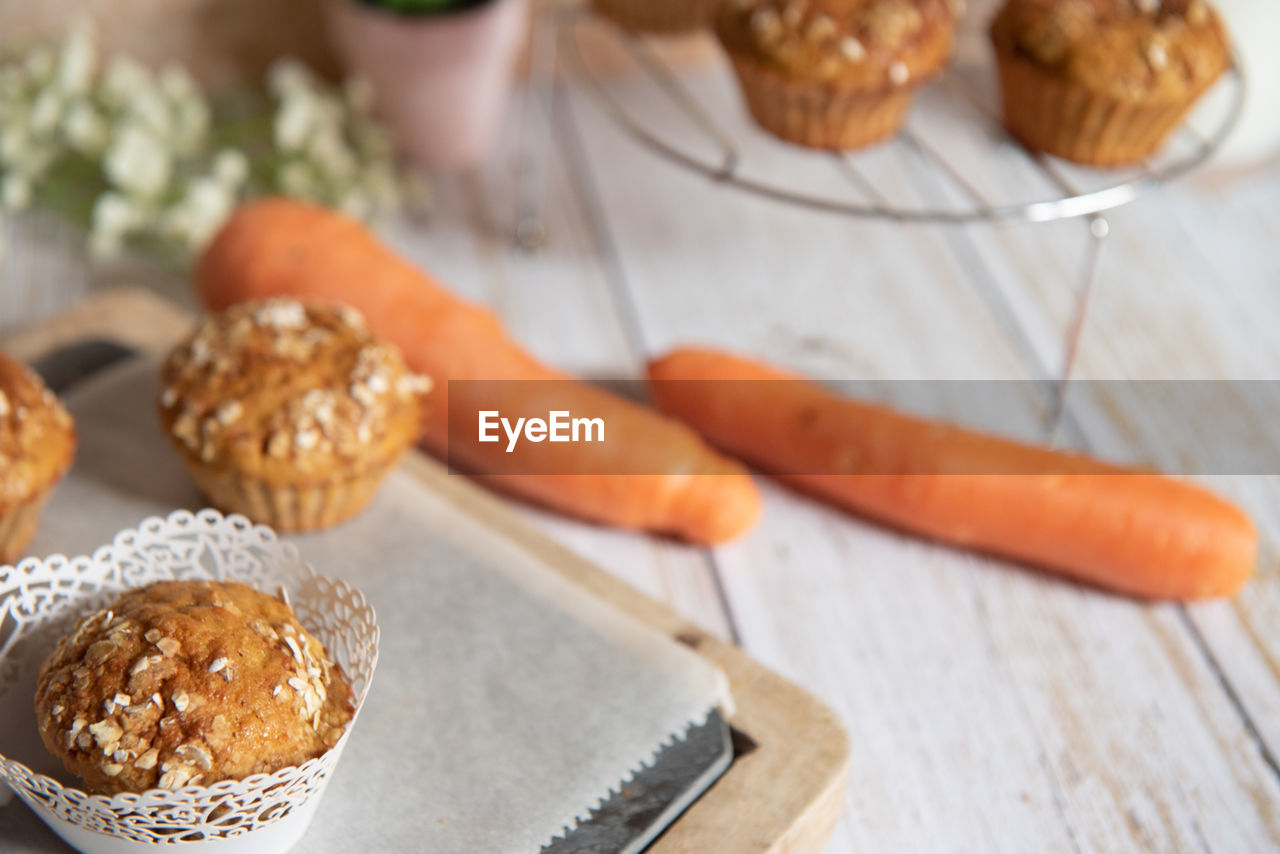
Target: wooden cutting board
<point>783,793</point>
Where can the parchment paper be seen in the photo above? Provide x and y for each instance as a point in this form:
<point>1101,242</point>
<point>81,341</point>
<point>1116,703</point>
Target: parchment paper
<point>506,702</point>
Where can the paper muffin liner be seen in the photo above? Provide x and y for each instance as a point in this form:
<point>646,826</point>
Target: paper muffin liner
<point>18,525</point>
<point>820,115</point>
<point>40,600</point>
<point>658,16</point>
<point>288,507</point>
<point>1046,112</point>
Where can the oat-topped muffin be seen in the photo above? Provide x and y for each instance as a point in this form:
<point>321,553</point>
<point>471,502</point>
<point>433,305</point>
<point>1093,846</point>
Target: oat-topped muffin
<point>1104,82</point>
<point>835,73</point>
<point>290,413</point>
<point>37,442</point>
<point>186,683</point>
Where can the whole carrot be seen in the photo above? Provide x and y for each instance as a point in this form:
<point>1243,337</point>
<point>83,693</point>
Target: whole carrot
<point>1132,532</point>
<point>654,473</point>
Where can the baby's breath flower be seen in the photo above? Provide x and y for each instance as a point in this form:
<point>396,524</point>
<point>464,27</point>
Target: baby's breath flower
<point>40,64</point>
<point>297,179</point>
<point>231,167</point>
<point>331,155</point>
<point>147,107</point>
<point>355,203</point>
<point>197,215</point>
<point>293,122</point>
<point>123,78</point>
<point>77,59</point>
<point>115,215</point>
<point>190,124</point>
<point>15,192</point>
<point>177,83</point>
<point>137,163</point>
<point>46,111</point>
<point>85,130</point>
<point>15,142</point>
<point>288,76</point>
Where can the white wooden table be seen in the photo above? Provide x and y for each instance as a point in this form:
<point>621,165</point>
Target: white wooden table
<point>990,709</point>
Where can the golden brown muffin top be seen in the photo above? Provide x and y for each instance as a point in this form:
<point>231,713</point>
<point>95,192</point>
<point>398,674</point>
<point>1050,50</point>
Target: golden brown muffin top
<point>1129,49</point>
<point>290,392</point>
<point>185,683</point>
<point>857,44</point>
<point>37,440</point>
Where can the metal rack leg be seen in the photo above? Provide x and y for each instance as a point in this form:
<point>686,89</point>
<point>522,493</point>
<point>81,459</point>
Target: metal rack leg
<point>1099,229</point>
<point>534,159</point>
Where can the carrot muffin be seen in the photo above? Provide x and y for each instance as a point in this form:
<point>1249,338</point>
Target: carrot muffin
<point>659,16</point>
<point>37,442</point>
<point>289,413</point>
<point>835,74</point>
<point>1104,82</point>
<point>185,683</point>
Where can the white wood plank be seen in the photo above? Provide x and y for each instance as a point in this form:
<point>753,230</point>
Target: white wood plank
<point>990,709</point>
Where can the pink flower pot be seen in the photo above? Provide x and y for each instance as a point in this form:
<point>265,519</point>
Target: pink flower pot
<point>442,79</point>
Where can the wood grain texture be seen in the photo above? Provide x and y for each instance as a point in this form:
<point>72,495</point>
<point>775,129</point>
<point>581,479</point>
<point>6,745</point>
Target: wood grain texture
<point>990,709</point>
<point>783,797</point>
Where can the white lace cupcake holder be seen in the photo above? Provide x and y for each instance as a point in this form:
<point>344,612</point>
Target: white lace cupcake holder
<point>264,814</point>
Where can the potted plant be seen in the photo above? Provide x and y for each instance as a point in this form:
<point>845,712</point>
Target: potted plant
<point>441,69</point>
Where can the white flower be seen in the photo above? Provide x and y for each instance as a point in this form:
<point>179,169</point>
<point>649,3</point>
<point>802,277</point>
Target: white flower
<point>203,208</point>
<point>355,203</point>
<point>288,76</point>
<point>15,143</point>
<point>84,129</point>
<point>178,84</point>
<point>296,179</point>
<point>147,106</point>
<point>115,215</point>
<point>46,111</point>
<point>191,123</point>
<point>231,167</point>
<point>77,58</point>
<point>40,64</point>
<point>15,192</point>
<point>123,78</point>
<point>331,155</point>
<point>137,162</point>
<point>294,121</point>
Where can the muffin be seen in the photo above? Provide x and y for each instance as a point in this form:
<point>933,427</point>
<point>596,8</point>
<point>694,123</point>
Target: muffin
<point>658,16</point>
<point>834,74</point>
<point>289,413</point>
<point>185,683</point>
<point>1104,82</point>
<point>37,442</point>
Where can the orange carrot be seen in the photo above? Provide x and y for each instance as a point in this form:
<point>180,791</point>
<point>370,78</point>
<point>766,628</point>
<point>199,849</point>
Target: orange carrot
<point>653,474</point>
<point>1133,532</point>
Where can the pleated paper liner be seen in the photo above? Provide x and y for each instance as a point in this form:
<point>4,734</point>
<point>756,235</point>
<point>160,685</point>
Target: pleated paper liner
<point>288,507</point>
<point>18,525</point>
<point>1048,113</point>
<point>261,814</point>
<point>819,115</point>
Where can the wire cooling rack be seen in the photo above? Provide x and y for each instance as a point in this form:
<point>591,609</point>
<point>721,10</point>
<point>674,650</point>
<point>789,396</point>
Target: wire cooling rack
<point>713,153</point>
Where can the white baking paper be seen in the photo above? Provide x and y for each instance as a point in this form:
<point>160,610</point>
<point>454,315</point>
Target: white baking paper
<point>507,702</point>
